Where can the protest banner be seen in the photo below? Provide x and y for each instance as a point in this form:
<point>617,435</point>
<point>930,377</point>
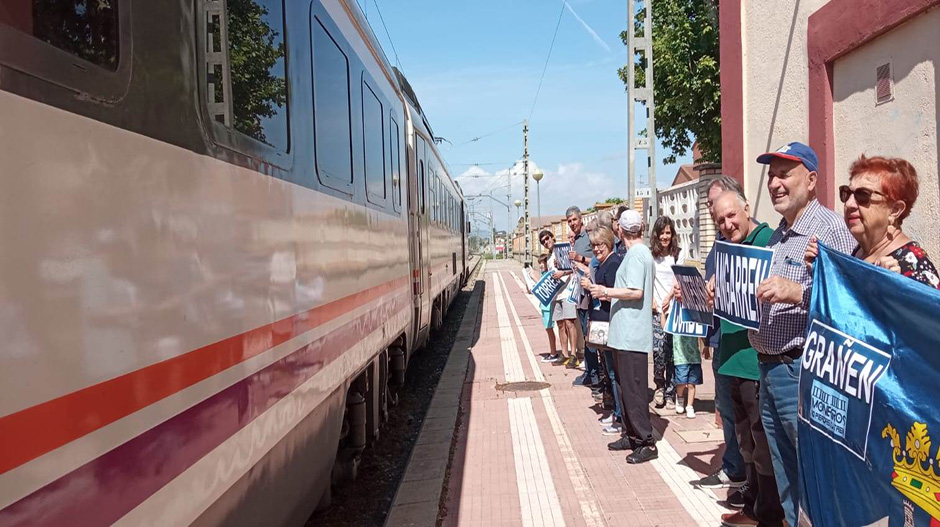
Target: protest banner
<point>547,288</point>
<point>868,381</point>
<point>739,269</point>
<point>679,323</point>
<point>562,261</point>
<point>694,295</point>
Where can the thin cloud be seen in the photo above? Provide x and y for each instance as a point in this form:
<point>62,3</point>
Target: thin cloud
<point>589,29</point>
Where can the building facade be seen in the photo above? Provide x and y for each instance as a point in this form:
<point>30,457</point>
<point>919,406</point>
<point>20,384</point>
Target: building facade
<point>847,77</point>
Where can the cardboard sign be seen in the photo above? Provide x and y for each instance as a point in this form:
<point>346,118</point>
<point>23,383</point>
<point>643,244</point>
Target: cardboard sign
<point>679,323</point>
<point>694,294</point>
<point>561,250</point>
<point>547,288</point>
<point>739,269</point>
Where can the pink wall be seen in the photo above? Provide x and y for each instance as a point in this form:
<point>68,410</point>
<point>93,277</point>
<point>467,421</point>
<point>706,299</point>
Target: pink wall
<point>834,30</point>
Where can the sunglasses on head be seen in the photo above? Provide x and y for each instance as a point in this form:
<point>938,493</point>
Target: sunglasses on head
<point>862,194</point>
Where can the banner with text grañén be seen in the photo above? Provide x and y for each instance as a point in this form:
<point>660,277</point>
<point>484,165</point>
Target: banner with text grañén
<point>868,401</point>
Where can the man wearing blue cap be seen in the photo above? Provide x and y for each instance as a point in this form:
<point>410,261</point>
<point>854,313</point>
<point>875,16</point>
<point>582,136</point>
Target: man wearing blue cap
<point>784,296</point>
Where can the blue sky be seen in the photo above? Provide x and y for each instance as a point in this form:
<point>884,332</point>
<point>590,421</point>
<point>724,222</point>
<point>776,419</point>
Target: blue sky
<point>475,67</point>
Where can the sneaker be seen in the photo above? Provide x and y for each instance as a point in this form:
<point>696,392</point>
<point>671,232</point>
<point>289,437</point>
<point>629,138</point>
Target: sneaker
<point>550,358</point>
<point>624,443</point>
<point>679,408</point>
<point>612,430</point>
<point>642,455</point>
<point>560,361</point>
<point>659,399</point>
<point>737,519</point>
<point>580,380</point>
<point>719,480</point>
<point>690,412</point>
<point>736,497</point>
<point>571,363</point>
<point>607,421</point>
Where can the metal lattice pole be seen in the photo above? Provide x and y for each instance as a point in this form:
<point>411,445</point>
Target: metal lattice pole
<point>644,95</point>
<point>525,175</point>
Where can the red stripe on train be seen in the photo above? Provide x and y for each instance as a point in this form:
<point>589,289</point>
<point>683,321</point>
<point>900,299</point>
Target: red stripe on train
<point>106,488</point>
<point>34,431</point>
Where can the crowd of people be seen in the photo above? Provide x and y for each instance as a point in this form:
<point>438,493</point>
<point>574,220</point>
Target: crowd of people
<point>621,286</point>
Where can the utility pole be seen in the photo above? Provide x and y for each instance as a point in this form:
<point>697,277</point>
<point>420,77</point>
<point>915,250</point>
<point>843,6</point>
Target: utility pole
<point>508,212</point>
<point>644,45</point>
<point>492,231</point>
<point>525,175</point>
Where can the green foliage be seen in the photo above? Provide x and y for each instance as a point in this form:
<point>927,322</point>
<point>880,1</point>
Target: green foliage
<point>254,49</point>
<point>615,201</point>
<point>84,28</point>
<point>686,66</point>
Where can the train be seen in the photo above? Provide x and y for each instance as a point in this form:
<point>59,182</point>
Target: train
<point>226,230</point>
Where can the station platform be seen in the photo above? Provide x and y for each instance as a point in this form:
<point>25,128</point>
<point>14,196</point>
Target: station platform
<point>536,456</point>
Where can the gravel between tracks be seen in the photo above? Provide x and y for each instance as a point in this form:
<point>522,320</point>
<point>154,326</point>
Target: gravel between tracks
<point>366,502</point>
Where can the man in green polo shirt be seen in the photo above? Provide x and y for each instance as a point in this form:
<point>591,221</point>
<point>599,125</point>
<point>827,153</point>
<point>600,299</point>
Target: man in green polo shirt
<point>738,360</point>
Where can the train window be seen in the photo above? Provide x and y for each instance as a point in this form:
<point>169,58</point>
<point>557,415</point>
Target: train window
<point>244,77</point>
<point>395,155</point>
<point>432,188</point>
<point>82,45</point>
<point>373,143</point>
<point>83,28</point>
<point>421,183</point>
<point>332,118</point>
<point>420,148</point>
<point>253,67</point>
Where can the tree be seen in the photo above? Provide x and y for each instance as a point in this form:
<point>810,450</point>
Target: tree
<point>254,50</point>
<point>688,86</point>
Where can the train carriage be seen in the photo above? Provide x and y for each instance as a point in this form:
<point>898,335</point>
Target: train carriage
<point>225,230</point>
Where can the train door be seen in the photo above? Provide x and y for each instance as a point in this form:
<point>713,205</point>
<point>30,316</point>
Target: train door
<point>463,241</point>
<point>420,271</point>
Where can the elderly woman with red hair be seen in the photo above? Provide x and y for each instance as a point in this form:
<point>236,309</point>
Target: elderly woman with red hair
<point>880,195</point>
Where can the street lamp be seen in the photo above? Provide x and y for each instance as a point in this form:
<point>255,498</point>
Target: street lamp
<point>537,176</point>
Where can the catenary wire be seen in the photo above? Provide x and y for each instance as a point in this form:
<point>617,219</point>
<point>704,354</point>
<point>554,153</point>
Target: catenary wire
<point>545,67</point>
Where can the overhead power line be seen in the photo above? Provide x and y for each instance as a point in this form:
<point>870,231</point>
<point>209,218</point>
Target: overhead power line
<point>387,34</point>
<point>488,134</point>
<point>547,58</point>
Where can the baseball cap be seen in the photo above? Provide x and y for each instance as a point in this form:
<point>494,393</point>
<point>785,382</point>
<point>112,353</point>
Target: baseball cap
<point>631,221</point>
<point>794,152</point>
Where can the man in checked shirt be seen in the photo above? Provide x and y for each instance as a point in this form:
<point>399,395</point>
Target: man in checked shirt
<point>784,297</point>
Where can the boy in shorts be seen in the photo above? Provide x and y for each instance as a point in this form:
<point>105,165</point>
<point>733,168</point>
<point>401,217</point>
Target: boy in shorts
<point>547,320</point>
<point>688,361</point>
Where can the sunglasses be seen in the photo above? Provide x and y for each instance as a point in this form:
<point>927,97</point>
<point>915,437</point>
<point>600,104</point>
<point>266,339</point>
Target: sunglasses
<point>545,240</point>
<point>862,195</point>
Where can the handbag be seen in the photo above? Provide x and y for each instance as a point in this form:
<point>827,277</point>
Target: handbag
<point>597,333</point>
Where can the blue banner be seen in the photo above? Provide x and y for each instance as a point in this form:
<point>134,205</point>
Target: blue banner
<point>868,391</point>
<point>739,269</point>
<point>679,323</point>
<point>546,288</point>
<point>694,294</point>
<point>561,252</point>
